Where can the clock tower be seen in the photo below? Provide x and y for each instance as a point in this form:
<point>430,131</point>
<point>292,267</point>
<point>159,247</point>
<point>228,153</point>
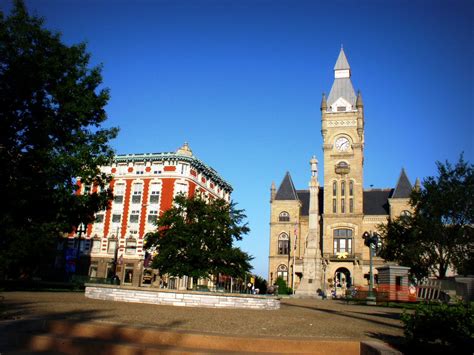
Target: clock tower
<point>342,128</point>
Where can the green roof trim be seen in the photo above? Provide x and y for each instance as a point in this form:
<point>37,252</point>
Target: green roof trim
<point>209,172</point>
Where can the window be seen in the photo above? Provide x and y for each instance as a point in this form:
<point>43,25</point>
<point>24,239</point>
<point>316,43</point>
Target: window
<point>152,217</point>
<point>282,271</point>
<point>95,245</point>
<point>119,191</point>
<point>134,216</point>
<point>99,218</point>
<point>351,205</point>
<point>112,246</point>
<point>116,218</point>
<point>283,244</point>
<point>334,189</point>
<point>342,241</point>
<point>137,193</point>
<point>180,188</point>
<point>131,246</point>
<point>351,188</point>
<point>155,193</point>
<point>284,217</point>
<point>341,108</point>
<point>343,188</point>
<point>343,205</point>
<point>334,206</point>
<point>140,169</point>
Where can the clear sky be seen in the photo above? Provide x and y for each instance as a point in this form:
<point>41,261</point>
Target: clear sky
<point>241,81</point>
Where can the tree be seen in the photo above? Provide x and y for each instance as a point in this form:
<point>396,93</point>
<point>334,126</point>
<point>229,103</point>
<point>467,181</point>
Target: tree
<point>439,234</point>
<point>195,238</point>
<point>51,111</point>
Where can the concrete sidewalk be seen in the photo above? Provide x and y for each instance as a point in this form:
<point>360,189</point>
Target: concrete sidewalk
<point>330,322</point>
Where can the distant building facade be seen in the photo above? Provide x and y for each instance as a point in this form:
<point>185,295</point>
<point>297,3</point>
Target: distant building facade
<point>144,186</point>
<point>316,234</point>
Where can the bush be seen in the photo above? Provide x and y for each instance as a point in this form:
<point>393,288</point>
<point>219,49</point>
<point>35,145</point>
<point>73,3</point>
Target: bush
<point>440,327</point>
<point>282,287</point>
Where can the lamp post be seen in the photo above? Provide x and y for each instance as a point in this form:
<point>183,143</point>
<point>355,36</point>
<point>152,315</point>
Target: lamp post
<point>372,240</point>
<point>80,229</point>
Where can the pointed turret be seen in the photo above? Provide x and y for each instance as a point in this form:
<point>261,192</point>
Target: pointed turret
<point>324,103</point>
<point>359,103</point>
<point>417,185</point>
<point>403,188</point>
<point>272,192</point>
<point>342,96</point>
<point>287,190</point>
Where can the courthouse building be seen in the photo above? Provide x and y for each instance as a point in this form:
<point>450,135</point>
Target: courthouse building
<point>144,186</point>
<point>316,234</point>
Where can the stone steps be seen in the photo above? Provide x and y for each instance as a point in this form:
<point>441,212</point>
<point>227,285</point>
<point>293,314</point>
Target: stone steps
<point>70,337</point>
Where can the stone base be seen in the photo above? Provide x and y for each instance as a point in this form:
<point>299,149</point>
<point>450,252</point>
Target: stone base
<point>180,298</point>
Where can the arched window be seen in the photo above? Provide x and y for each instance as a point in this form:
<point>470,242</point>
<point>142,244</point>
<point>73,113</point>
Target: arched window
<point>351,188</point>
<point>342,241</point>
<point>284,217</point>
<point>282,271</point>
<point>334,189</point>
<point>405,214</point>
<point>343,188</point>
<point>283,244</point>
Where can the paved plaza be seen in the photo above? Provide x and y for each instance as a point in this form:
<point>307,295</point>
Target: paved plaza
<point>301,318</point>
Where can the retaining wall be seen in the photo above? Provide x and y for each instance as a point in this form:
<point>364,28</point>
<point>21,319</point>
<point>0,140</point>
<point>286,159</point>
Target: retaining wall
<point>180,298</point>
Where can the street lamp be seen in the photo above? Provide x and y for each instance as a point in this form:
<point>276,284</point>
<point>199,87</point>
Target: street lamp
<point>80,229</point>
<point>373,241</point>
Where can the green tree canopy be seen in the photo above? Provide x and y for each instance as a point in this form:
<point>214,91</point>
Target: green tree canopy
<point>51,111</point>
<point>439,234</point>
<point>195,238</point>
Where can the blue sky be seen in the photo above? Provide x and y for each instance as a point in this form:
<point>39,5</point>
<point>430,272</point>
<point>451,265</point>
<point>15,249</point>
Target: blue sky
<point>241,81</point>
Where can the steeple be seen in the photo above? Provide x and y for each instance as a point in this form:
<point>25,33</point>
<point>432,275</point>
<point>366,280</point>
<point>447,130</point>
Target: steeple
<point>342,94</point>
<point>287,190</point>
<point>403,188</point>
<point>341,64</point>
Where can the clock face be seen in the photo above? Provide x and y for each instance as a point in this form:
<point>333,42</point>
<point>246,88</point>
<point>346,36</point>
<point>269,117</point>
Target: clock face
<point>342,144</point>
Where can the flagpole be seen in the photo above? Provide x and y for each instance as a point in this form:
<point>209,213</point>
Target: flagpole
<point>294,261</point>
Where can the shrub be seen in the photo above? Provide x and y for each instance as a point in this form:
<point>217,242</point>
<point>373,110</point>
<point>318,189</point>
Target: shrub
<point>440,327</point>
<point>282,287</point>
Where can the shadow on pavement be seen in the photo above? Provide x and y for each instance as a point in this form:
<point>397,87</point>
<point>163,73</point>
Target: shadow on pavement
<point>355,315</point>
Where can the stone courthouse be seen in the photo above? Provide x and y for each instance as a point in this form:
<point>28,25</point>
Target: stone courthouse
<point>316,234</point>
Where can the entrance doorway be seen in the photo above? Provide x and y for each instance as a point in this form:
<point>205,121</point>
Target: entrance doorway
<point>342,278</point>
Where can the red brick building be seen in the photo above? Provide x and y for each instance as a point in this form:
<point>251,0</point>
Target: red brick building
<point>144,186</point>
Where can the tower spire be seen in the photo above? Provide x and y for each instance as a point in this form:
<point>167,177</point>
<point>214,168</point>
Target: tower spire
<point>342,92</point>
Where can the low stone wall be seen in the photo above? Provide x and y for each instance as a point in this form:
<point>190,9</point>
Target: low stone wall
<point>180,298</point>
